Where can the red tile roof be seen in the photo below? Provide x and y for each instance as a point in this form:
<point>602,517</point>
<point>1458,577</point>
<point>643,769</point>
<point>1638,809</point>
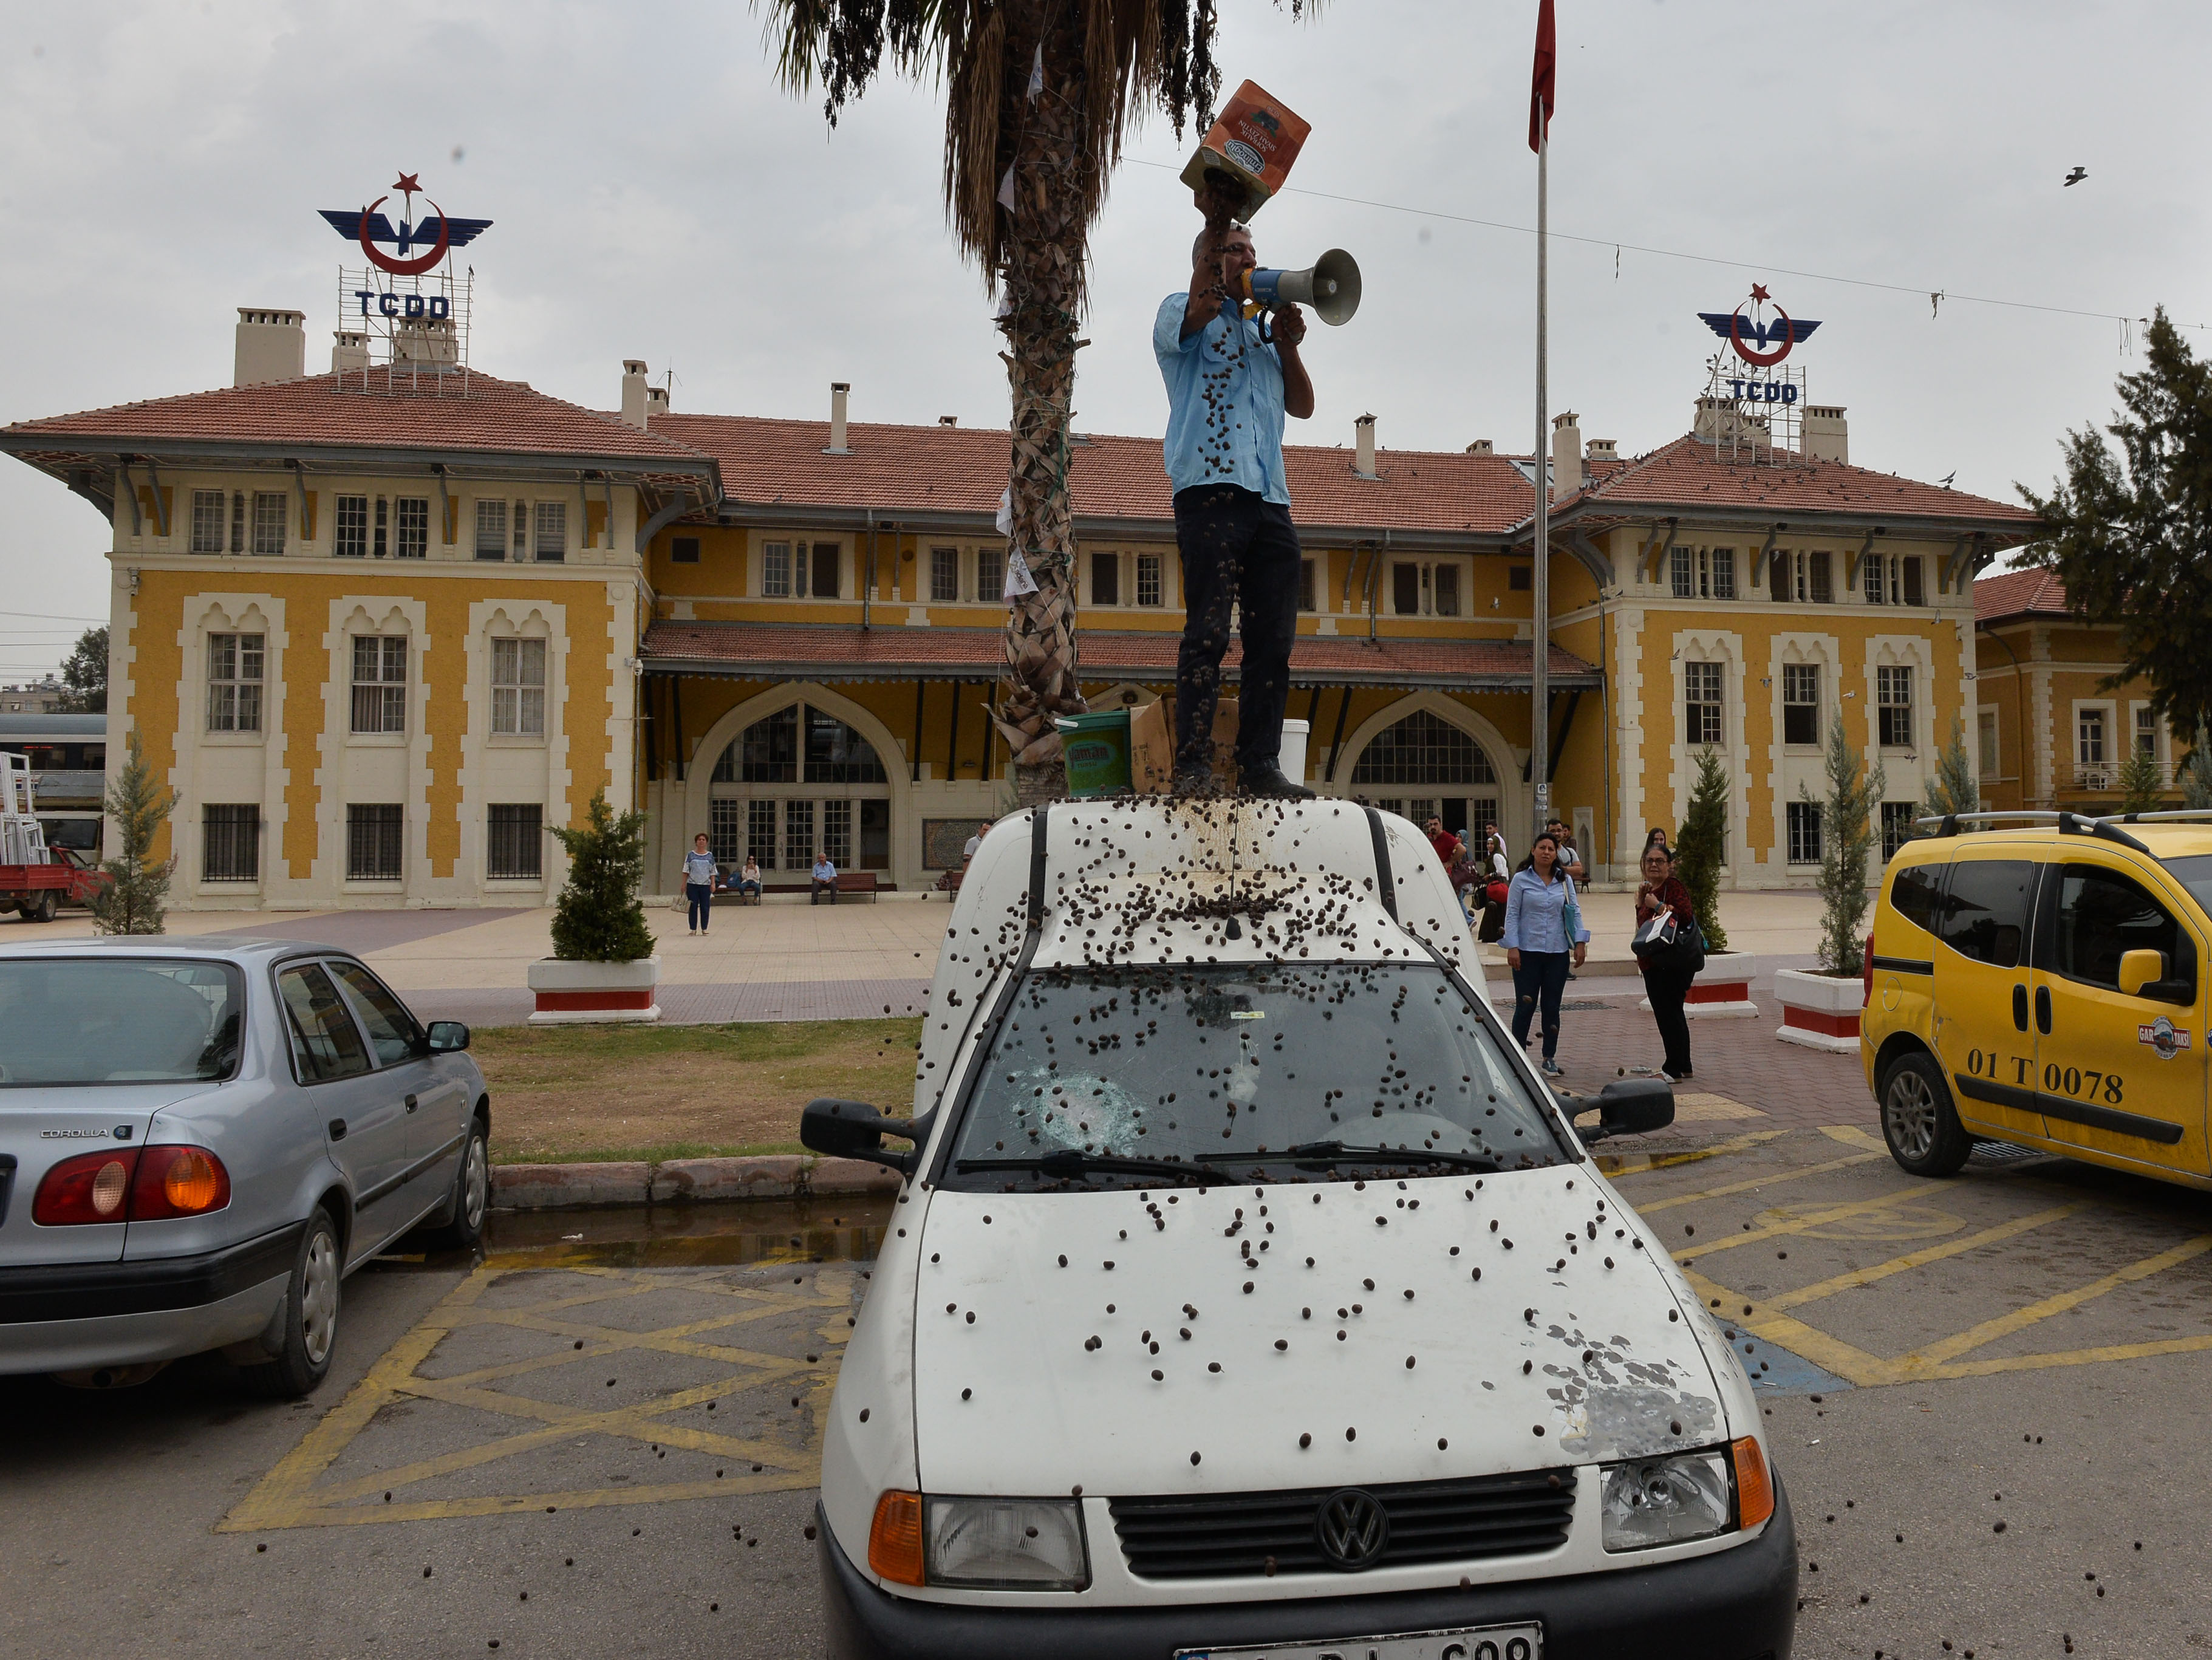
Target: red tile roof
<point>1687,474</point>
<point>2014,594</point>
<point>963,470</point>
<point>796,651</point>
<point>499,416</point>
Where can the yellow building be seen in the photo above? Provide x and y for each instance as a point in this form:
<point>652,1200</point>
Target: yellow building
<point>380,627</point>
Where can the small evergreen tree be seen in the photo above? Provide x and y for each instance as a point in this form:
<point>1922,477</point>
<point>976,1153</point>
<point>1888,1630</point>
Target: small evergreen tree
<point>1953,788</point>
<point>2141,784</point>
<point>132,899</point>
<point>1847,837</point>
<point>598,917</point>
<point>2196,776</point>
<point>1702,845</point>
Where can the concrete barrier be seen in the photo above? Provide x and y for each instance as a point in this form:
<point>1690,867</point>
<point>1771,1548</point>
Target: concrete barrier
<point>686,1180</point>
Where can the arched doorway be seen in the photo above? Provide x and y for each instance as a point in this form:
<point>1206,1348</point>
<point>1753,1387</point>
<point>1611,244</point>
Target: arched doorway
<point>797,782</point>
<point>1422,765</point>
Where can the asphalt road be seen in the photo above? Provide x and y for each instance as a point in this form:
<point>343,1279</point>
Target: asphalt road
<point>1987,1400</point>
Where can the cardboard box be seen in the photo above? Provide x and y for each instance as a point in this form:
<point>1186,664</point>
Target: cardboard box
<point>1254,142</point>
<point>1152,746</point>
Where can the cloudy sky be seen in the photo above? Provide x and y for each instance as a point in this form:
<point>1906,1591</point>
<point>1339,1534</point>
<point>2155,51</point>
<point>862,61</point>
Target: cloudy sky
<point>657,195</point>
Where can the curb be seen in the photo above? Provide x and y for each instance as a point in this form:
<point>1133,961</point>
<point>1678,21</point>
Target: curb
<point>684,1181</point>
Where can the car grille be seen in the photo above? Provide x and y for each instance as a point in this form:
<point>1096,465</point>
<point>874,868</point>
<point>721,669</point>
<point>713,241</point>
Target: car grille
<point>1231,1535</point>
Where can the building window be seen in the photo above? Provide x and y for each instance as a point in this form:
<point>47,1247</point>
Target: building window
<point>491,528</point>
<point>1893,699</point>
<point>683,551</point>
<point>238,521</point>
<point>1910,574</point>
<point>207,522</point>
<point>760,833</point>
<point>944,576</point>
<point>379,683</point>
<point>1701,703</point>
<point>1305,582</point>
<point>1801,702</point>
<point>824,585</point>
<point>230,843</point>
<point>1148,581</point>
<point>1820,578</point>
<point>412,522</point>
<point>1897,830</point>
<point>551,541</point>
<point>837,832</point>
<point>1447,590</point>
<point>2090,742</point>
<point>514,842</point>
<point>518,688</point>
<point>268,522</point>
<point>798,836</point>
<point>775,570</point>
<point>1423,749</point>
<point>1870,578</point>
<point>350,540</point>
<point>1723,573</point>
<point>234,664</point>
<point>835,754</point>
<point>2146,732</point>
<point>1681,570</point>
<point>382,543</point>
<point>1405,590</point>
<point>373,834</point>
<point>1986,732</point>
<point>990,575</point>
<point>1105,579</point>
<point>1804,833</point>
<point>1520,579</point>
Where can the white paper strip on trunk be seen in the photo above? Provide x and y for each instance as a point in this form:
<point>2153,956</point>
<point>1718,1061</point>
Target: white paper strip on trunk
<point>1018,580</point>
<point>1006,520</point>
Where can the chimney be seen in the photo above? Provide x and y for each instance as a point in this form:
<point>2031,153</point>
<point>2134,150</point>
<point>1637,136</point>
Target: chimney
<point>656,401</point>
<point>1362,431</point>
<point>1827,436</point>
<point>1603,449</point>
<point>348,352</point>
<point>838,391</point>
<point>273,346</point>
<point>948,420</point>
<point>633,389</point>
<point>1482,447</point>
<point>1566,455</point>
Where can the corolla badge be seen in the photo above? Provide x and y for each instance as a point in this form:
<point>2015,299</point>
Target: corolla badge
<point>1351,1528</point>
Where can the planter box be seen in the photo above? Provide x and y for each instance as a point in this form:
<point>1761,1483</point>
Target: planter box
<point>577,993</point>
<point>1819,1012</point>
<point>1722,990</point>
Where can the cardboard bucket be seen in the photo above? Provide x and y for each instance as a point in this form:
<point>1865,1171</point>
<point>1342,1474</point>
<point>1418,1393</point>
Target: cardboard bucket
<point>1254,142</point>
<point>1097,749</point>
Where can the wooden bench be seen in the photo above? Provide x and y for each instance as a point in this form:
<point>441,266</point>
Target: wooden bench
<point>857,882</point>
<point>949,884</point>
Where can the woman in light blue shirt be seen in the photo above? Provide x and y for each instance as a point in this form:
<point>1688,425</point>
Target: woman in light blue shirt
<point>1543,932</point>
<point>699,878</point>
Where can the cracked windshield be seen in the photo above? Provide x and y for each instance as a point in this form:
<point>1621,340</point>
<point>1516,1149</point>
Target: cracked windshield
<point>1244,1073</point>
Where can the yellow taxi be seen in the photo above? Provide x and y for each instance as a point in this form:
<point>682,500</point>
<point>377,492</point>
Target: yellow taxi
<point>2044,982</point>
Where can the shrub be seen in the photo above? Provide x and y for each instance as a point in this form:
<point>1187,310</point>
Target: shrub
<point>1702,845</point>
<point>1847,837</point>
<point>132,899</point>
<point>598,917</point>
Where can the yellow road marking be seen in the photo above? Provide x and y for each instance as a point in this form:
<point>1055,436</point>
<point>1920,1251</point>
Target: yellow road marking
<point>1754,1183</point>
<point>2005,1325</point>
<point>2088,1357</point>
<point>1637,1163</point>
<point>1859,1277</point>
<point>1821,1218</point>
<point>1846,1360</point>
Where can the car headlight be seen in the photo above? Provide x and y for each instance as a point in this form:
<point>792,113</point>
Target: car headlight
<point>1647,1502</point>
<point>1007,1544</point>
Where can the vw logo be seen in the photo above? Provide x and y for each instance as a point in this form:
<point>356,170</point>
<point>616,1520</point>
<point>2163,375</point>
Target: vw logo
<point>1351,1528</point>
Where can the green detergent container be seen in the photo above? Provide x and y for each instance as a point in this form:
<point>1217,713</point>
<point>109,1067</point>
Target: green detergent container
<point>1097,748</point>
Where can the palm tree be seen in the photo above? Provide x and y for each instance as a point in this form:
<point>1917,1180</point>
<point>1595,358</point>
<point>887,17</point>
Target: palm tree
<point>1039,95</point>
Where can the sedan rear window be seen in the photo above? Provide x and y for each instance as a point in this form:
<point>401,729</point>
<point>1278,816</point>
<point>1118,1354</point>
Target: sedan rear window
<point>73,1021</point>
<point>1252,1071</point>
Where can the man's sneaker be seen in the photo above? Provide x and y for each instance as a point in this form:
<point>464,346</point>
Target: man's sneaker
<point>1554,1069</point>
<point>1267,781</point>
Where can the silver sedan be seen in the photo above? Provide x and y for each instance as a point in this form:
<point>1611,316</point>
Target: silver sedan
<point>200,1138</point>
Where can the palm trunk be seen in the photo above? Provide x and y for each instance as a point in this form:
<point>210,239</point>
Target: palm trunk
<point>1043,277</point>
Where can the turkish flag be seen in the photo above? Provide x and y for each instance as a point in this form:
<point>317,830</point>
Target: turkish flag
<point>1541,86</point>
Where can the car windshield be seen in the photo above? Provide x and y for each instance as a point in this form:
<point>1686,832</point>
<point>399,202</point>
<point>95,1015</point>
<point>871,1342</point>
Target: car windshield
<point>2194,873</point>
<point>1257,1071</point>
<point>70,1021</point>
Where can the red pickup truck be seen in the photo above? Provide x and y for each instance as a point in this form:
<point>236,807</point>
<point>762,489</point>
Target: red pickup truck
<point>38,890</point>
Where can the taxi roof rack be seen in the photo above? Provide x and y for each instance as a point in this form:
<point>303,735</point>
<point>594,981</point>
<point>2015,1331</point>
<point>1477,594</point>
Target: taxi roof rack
<point>2069,824</point>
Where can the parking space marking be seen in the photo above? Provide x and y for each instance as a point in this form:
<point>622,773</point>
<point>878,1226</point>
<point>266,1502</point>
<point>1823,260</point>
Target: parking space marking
<point>1823,1217</point>
<point>1880,1271</point>
<point>1616,1164</point>
<point>295,1494</point>
<point>1847,1360</point>
<point>1757,1182</point>
<point>2004,1325</point>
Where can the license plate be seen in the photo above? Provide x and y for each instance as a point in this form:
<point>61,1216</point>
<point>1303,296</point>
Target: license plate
<point>1524,1642</point>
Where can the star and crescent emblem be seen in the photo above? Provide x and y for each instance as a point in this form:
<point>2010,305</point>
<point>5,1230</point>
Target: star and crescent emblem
<point>1761,344</point>
<point>440,233</point>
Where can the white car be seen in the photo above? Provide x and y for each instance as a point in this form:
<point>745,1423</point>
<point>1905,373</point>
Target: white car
<point>1250,1295</point>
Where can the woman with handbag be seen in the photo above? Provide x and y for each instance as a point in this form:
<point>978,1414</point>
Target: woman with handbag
<point>1543,931</point>
<point>1669,950</point>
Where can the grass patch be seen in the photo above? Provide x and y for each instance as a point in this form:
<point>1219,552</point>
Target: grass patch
<point>606,1093</point>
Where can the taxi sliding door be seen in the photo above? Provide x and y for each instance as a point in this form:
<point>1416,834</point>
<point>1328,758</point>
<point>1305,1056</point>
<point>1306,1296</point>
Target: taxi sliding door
<point>1983,1035</point>
<point>2117,1075</point>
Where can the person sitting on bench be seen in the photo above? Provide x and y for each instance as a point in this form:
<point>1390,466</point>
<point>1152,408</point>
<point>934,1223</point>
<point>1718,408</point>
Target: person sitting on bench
<point>749,879</point>
<point>825,880</point>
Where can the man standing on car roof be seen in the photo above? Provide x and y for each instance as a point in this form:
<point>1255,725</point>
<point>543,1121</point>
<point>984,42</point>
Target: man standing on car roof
<point>1230,382</point>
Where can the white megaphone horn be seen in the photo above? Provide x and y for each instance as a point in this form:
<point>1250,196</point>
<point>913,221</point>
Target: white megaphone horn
<point>1331,286</point>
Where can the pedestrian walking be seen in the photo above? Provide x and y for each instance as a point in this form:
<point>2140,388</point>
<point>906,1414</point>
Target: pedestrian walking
<point>1669,966</point>
<point>1544,933</point>
<point>700,878</point>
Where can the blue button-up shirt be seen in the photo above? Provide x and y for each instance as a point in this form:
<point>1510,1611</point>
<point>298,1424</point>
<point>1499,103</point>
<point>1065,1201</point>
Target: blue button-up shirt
<point>1224,403</point>
<point>1536,913</point>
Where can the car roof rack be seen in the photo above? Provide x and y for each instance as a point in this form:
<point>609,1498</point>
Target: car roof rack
<point>2069,824</point>
<point>2162,817</point>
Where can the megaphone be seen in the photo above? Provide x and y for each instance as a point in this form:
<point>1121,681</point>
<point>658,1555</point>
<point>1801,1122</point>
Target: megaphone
<point>1331,286</point>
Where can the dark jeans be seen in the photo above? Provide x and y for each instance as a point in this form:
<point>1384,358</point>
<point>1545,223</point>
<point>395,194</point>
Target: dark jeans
<point>746,886</point>
<point>1667,990</point>
<point>822,887</point>
<point>1237,550</point>
<point>702,903</point>
<point>1542,974</point>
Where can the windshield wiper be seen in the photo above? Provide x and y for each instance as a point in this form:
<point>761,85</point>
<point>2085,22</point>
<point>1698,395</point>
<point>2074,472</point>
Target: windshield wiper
<point>1337,1152</point>
<point>1067,1162</point>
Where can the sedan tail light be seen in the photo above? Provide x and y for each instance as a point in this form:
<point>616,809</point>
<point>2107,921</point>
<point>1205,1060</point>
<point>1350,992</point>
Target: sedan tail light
<point>131,1184</point>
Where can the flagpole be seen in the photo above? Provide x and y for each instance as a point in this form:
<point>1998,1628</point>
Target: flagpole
<point>1539,742</point>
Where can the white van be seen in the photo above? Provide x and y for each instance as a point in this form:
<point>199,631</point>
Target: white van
<point>1250,1295</point>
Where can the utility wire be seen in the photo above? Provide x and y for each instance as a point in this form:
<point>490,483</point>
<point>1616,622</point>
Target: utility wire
<point>1922,292</point>
<point>52,617</point>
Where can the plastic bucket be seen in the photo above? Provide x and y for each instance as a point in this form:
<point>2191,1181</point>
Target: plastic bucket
<point>1097,749</point>
<point>1293,755</point>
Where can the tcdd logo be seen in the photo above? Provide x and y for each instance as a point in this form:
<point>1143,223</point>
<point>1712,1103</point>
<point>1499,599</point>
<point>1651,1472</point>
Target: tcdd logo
<point>369,227</point>
<point>1746,334</point>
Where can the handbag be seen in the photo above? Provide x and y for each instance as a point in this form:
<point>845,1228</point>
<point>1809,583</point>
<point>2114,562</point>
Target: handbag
<point>1495,892</point>
<point>1660,943</point>
<point>1571,913</point>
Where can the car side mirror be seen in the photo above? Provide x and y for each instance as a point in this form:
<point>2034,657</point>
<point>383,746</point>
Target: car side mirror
<point>447,1036</point>
<point>1632,1106</point>
<point>2138,969</point>
<point>854,1130</point>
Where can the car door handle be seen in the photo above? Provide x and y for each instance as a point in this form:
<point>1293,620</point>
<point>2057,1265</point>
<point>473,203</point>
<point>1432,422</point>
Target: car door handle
<point>336,1128</point>
<point>411,1103</point>
<point>2019,1008</point>
<point>2043,1010</point>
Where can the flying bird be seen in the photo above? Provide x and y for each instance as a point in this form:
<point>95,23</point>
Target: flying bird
<point>1947,477</point>
<point>2076,177</point>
